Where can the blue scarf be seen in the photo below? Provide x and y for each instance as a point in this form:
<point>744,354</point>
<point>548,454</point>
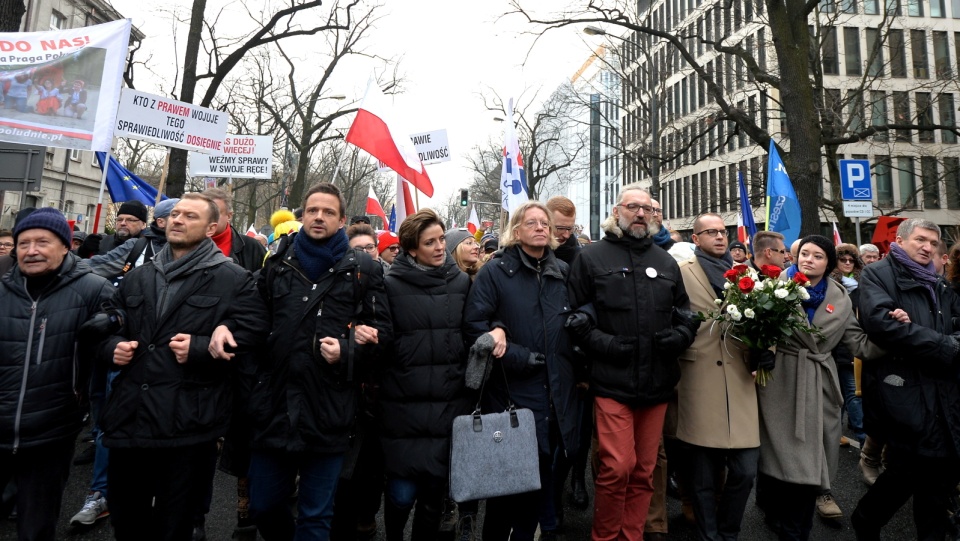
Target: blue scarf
<point>925,275</point>
<point>662,238</point>
<point>318,256</point>
<point>817,294</point>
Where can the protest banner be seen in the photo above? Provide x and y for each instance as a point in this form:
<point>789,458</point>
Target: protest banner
<point>170,122</point>
<point>60,88</point>
<point>431,146</point>
<point>243,156</point>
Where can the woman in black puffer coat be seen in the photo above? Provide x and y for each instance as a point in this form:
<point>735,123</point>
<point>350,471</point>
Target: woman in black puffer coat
<point>423,385</point>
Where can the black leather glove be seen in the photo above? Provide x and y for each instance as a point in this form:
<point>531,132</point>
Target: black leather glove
<point>623,347</point>
<point>536,360</point>
<point>670,343</point>
<point>90,246</point>
<point>103,324</point>
<point>762,358</point>
<point>579,324</point>
<point>686,319</point>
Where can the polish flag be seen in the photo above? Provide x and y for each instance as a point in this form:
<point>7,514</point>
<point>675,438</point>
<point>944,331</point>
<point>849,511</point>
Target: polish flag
<point>374,208</point>
<point>252,232</point>
<point>404,202</point>
<point>473,223</point>
<point>836,235</point>
<point>375,131</point>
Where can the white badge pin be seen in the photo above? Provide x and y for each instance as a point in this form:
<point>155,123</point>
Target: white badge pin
<point>651,272</point>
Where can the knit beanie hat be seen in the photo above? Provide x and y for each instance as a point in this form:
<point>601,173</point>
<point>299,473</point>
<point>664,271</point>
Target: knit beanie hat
<point>824,244</point>
<point>47,218</point>
<point>134,208</point>
<point>490,242</point>
<point>163,208</point>
<point>386,240</point>
<point>455,237</point>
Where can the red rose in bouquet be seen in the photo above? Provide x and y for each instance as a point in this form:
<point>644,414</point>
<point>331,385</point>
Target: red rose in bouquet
<point>801,279</point>
<point>746,284</point>
<point>731,275</point>
<point>771,271</point>
<point>741,268</point>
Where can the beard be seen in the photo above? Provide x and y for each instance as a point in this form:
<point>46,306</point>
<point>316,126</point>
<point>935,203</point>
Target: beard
<point>641,233</point>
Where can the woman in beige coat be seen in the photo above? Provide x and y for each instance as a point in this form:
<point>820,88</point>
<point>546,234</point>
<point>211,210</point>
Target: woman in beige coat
<point>800,406</point>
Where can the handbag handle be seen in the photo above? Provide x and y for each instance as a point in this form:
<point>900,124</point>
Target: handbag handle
<point>511,407</point>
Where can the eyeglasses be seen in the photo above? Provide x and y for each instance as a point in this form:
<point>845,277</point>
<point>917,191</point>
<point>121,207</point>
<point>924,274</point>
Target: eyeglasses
<point>780,251</point>
<point>713,232</point>
<point>127,220</point>
<point>656,211</point>
<point>530,224</point>
<point>634,207</point>
<point>369,248</point>
<point>6,245</point>
<point>394,248</point>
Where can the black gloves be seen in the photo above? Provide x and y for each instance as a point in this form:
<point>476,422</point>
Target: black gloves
<point>672,342</point>
<point>686,319</point>
<point>579,324</point>
<point>762,358</point>
<point>103,324</point>
<point>90,246</point>
<point>536,360</point>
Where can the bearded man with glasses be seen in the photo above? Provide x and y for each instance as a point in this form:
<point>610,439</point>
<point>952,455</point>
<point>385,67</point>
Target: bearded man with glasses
<point>633,322</point>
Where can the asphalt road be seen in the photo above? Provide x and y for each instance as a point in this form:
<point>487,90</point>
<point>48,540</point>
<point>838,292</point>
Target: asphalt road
<point>221,519</point>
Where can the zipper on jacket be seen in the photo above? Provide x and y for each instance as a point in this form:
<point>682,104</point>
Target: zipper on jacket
<point>43,336</point>
<point>23,381</point>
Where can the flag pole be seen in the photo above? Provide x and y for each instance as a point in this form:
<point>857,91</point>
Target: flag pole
<point>163,177</point>
<point>333,179</point>
<point>103,184</point>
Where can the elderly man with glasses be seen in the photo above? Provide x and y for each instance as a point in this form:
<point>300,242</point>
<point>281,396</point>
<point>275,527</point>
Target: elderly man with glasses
<point>633,322</point>
<point>130,223</point>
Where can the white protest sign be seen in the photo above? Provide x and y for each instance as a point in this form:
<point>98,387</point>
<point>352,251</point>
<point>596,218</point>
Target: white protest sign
<point>170,122</point>
<point>431,147</point>
<point>60,88</point>
<point>244,156</point>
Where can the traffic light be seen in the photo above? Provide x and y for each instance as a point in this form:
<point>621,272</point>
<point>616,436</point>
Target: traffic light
<point>464,198</point>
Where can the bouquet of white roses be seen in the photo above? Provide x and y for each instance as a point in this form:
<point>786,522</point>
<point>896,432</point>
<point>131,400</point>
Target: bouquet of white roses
<point>761,311</point>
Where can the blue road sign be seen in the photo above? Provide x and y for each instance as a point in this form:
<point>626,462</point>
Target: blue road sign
<point>855,182</point>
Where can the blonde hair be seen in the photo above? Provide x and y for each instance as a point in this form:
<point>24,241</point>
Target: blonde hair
<point>516,220</point>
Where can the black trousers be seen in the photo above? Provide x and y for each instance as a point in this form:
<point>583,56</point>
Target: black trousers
<point>40,474</point>
<point>929,480</point>
<point>720,518</point>
<point>791,505</point>
<point>155,493</point>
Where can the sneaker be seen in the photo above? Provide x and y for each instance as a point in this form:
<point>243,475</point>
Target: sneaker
<point>827,507</point>
<point>870,473</point>
<point>94,509</point>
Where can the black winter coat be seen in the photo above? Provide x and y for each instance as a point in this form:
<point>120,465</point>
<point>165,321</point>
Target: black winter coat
<point>531,307</point>
<point>156,401</point>
<point>633,287</point>
<point>423,389</point>
<point>44,366</point>
<point>910,397</point>
<point>246,251</point>
<point>299,401</point>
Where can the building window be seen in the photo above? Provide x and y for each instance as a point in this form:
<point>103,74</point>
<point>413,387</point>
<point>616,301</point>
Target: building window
<point>931,184</point>
<point>831,64</point>
<point>925,116</point>
<point>907,182</point>
<point>851,51</point>
<point>57,20</point>
<point>74,155</point>
<point>68,208</point>
<point>948,117</point>
<point>951,174</point>
<point>872,7</point>
<point>884,181</point>
<point>827,6</point>
<point>848,6</point>
<point>941,55</point>
<point>898,56</point>
<point>878,113</point>
<point>893,7</point>
<point>918,49</point>
<point>937,9</point>
<point>915,8</point>
<point>854,110</point>
<point>901,114</point>
<point>875,48</point>
<point>91,210</point>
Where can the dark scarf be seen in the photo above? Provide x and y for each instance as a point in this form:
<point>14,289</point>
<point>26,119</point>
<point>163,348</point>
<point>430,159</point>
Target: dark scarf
<point>318,256</point>
<point>662,239</point>
<point>714,268</point>
<point>817,294</point>
<point>925,274</point>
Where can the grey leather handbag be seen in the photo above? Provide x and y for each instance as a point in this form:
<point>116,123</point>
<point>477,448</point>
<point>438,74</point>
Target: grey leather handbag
<point>494,454</point>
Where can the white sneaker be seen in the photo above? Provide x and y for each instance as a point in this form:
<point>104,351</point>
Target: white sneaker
<point>94,509</point>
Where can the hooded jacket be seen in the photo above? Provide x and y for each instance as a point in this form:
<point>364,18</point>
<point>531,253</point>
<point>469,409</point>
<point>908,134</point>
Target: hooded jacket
<point>44,370</point>
<point>423,388</point>
<point>156,401</point>
<point>634,288</point>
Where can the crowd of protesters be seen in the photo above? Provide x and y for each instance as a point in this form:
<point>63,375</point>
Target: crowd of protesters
<point>328,368</point>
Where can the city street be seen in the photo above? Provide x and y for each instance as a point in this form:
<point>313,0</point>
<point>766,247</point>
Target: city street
<point>221,519</point>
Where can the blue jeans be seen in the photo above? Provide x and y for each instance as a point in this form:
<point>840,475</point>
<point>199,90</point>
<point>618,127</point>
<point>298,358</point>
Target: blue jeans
<point>400,496</point>
<point>851,402</point>
<point>102,456</point>
<point>271,478</point>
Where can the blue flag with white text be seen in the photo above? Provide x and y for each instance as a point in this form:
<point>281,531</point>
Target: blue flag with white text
<point>783,207</point>
<point>125,186</point>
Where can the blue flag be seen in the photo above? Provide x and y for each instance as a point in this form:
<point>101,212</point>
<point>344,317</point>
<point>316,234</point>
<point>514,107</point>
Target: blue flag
<point>783,207</point>
<point>393,218</point>
<point>125,186</point>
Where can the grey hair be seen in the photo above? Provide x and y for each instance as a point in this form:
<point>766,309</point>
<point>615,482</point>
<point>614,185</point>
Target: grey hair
<point>869,248</point>
<point>610,225</point>
<point>907,226</point>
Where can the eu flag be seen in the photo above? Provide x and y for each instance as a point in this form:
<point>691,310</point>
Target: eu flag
<point>125,186</point>
<point>783,207</point>
<point>393,219</point>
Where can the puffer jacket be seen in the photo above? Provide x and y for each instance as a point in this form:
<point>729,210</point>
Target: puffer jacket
<point>531,307</point>
<point>299,402</point>
<point>634,287</point>
<point>44,364</point>
<point>423,389</point>
<point>911,398</point>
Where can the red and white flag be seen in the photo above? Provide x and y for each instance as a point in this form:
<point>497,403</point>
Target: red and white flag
<point>836,235</point>
<point>473,222</point>
<point>375,131</point>
<point>252,232</point>
<point>374,208</point>
<point>404,202</point>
